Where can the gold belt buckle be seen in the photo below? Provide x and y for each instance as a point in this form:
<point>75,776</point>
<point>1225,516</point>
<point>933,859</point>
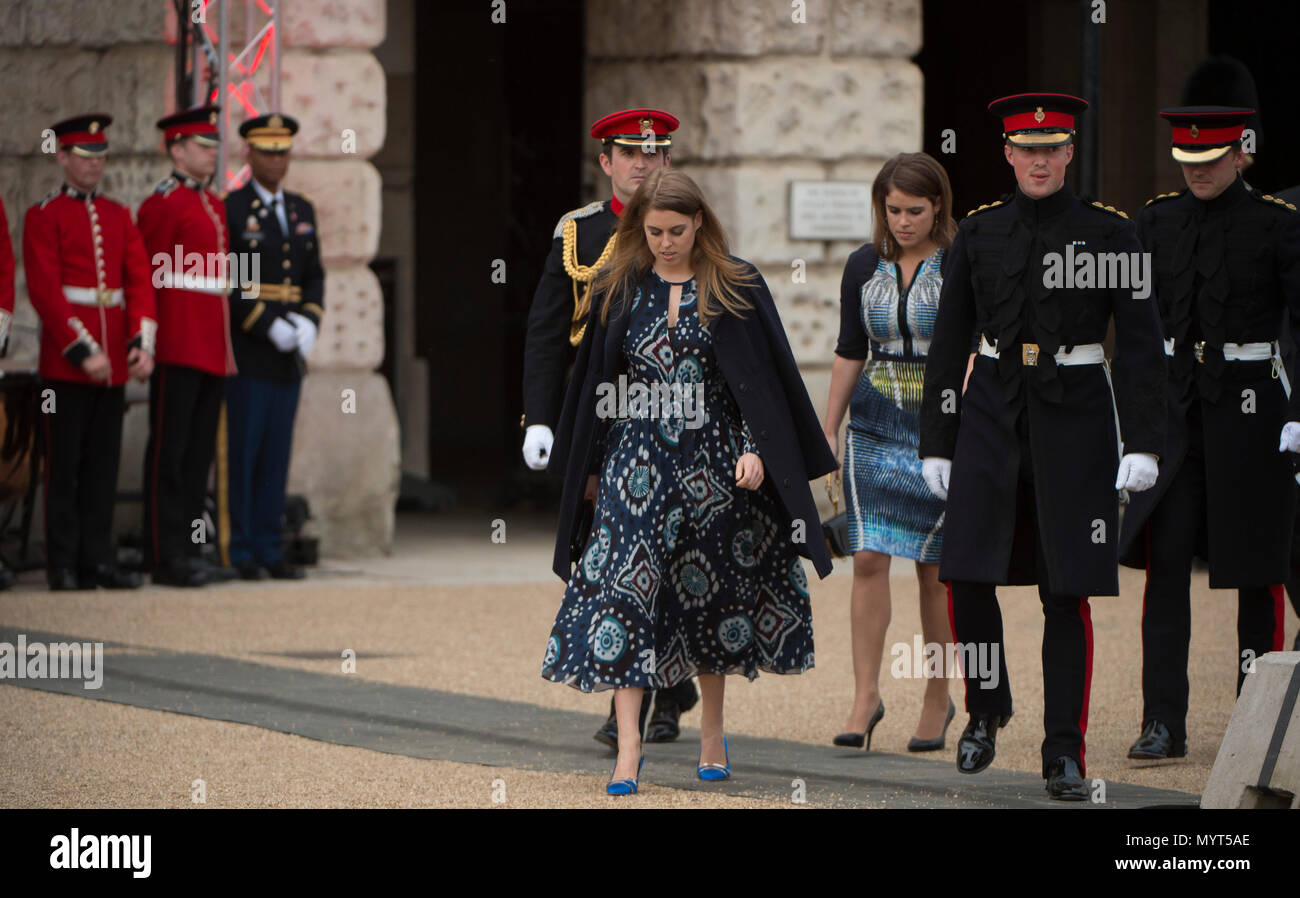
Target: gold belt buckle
<point>104,297</point>
<point>1199,349</point>
<point>1029,354</point>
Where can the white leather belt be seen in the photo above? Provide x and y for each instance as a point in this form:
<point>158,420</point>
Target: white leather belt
<point>215,286</point>
<point>91,296</point>
<point>1083,354</point>
<point>1233,352</point>
<point>1245,352</point>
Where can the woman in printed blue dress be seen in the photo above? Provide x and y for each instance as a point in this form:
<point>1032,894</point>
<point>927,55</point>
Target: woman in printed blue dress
<point>684,409</point>
<point>889,297</point>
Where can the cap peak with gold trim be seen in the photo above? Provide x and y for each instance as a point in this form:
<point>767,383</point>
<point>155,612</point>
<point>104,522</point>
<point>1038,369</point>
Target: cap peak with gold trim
<point>1038,119</point>
<point>84,135</point>
<point>1203,134</point>
<point>201,122</point>
<point>271,133</point>
<point>639,127</point>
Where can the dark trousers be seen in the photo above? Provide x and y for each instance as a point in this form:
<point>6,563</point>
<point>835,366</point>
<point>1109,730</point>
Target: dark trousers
<point>83,438</point>
<point>184,405</point>
<point>1293,582</point>
<point>1067,663</point>
<point>259,438</point>
<point>1067,643</point>
<point>1171,534</point>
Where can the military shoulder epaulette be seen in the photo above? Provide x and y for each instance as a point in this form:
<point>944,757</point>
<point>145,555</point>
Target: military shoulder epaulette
<point>1098,204</point>
<point>985,207</point>
<point>1272,200</point>
<point>166,185</point>
<point>1163,196</point>
<point>45,200</point>
<point>585,212</point>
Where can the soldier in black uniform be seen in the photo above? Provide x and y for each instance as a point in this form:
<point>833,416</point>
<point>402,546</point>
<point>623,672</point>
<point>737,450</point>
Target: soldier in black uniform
<point>272,333</point>
<point>1227,264</point>
<point>1027,458</point>
<point>1289,352</point>
<point>634,142</point>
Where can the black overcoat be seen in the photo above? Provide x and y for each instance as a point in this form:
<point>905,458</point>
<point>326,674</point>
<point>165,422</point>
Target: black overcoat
<point>1227,270</point>
<point>754,357</point>
<point>995,286</point>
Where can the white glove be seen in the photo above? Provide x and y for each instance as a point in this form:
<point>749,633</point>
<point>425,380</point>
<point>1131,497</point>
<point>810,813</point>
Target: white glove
<point>283,335</point>
<point>936,472</point>
<point>1290,441</point>
<point>306,332</point>
<point>1137,472</point>
<point>538,440</point>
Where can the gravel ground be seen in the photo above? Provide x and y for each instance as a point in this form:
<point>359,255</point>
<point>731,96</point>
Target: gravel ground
<point>488,640</point>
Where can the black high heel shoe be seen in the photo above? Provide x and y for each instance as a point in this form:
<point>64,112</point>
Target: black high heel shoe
<point>915,744</point>
<point>855,740</point>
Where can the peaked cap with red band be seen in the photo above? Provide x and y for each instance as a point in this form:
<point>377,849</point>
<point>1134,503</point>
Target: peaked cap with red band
<point>633,128</point>
<point>201,123</point>
<point>84,135</point>
<point>1038,120</point>
<point>1204,134</point>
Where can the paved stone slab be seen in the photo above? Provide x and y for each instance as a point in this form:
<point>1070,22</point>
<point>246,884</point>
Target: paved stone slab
<point>425,723</point>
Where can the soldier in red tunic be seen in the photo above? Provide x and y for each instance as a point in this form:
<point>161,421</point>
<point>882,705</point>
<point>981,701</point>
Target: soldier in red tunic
<point>184,227</point>
<point>88,279</point>
<point>7,578</point>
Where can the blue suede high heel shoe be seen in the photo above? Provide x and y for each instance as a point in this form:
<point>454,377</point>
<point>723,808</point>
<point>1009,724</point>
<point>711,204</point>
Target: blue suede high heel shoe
<point>713,772</point>
<point>624,787</point>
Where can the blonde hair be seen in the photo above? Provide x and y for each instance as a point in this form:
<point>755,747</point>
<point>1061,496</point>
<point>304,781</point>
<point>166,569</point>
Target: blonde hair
<point>718,277</point>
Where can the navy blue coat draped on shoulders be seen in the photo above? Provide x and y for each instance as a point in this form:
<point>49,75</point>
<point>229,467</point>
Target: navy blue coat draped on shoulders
<point>754,356</point>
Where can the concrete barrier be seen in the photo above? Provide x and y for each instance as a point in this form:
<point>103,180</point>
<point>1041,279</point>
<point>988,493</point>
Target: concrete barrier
<point>1258,765</point>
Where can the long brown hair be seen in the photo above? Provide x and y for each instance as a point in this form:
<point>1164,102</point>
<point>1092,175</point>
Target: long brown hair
<point>718,276</point>
<point>917,174</point>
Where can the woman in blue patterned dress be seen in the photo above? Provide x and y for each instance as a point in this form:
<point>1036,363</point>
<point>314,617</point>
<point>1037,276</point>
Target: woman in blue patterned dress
<point>688,568</point>
<point>889,297</point>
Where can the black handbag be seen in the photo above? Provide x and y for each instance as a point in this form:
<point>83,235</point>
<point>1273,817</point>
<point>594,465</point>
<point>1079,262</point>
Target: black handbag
<point>836,530</point>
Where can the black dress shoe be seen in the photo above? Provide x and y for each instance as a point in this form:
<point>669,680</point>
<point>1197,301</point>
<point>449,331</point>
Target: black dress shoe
<point>251,570</point>
<point>62,579</point>
<point>179,572</point>
<point>856,740</point>
<point>977,746</point>
<point>608,734</point>
<point>1156,743</point>
<point>214,573</point>
<point>7,578</point>
<point>280,570</point>
<point>109,577</point>
<point>664,726</point>
<point>1065,781</point>
<point>915,744</point>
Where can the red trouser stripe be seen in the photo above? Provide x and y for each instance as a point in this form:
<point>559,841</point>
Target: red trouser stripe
<point>45,493</point>
<point>1142,684</point>
<point>1085,613</point>
<point>157,448</point>
<point>1279,617</point>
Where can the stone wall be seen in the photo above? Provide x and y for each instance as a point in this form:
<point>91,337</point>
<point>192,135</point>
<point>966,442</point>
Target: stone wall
<point>62,57</point>
<point>765,100</point>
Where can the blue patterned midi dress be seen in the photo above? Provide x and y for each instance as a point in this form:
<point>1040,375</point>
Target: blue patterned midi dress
<point>684,572</point>
<point>890,508</point>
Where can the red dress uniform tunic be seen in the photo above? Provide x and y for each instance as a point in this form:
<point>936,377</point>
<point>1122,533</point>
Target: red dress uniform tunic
<point>6,277</point>
<point>180,218</point>
<point>88,279</point>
